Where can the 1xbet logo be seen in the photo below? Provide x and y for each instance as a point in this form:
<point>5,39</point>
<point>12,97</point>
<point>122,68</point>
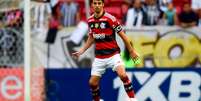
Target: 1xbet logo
<point>163,86</point>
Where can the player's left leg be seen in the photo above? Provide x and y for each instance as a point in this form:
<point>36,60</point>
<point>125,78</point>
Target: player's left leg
<point>120,70</point>
<point>118,66</point>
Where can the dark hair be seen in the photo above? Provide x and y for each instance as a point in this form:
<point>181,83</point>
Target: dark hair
<point>92,1</point>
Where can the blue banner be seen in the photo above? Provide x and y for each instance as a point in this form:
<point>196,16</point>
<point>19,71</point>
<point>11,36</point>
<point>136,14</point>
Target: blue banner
<point>149,85</point>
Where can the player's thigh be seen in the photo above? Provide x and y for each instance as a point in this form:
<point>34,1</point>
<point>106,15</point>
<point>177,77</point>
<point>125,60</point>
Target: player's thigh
<point>98,67</point>
<point>115,62</point>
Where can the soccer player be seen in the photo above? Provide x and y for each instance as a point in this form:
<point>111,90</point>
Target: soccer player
<point>103,29</point>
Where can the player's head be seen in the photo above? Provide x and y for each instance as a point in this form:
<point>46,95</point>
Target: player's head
<point>97,5</point>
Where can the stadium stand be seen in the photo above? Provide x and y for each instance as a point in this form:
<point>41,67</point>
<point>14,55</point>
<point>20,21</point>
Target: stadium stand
<point>119,7</point>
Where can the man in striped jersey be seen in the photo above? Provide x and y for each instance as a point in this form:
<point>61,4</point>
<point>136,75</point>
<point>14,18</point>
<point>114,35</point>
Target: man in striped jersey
<point>70,13</point>
<point>103,29</point>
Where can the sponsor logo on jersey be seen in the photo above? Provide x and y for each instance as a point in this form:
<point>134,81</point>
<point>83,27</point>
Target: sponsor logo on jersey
<point>96,25</point>
<point>99,36</point>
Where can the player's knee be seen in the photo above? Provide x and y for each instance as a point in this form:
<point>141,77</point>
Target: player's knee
<point>93,84</point>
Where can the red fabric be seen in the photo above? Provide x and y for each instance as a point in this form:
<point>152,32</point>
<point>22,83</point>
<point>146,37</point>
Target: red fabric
<point>106,45</point>
<point>125,80</point>
<point>95,92</point>
<point>131,94</point>
<point>97,98</point>
<point>54,23</point>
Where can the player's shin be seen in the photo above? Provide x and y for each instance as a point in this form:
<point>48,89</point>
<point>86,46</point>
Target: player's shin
<point>95,93</point>
<point>128,87</point>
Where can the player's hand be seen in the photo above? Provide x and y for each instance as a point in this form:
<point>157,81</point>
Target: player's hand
<point>136,58</point>
<point>77,54</point>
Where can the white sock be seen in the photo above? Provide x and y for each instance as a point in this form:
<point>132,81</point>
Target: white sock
<point>133,99</point>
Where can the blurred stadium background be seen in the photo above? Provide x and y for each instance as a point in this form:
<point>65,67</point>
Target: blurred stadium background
<point>170,54</point>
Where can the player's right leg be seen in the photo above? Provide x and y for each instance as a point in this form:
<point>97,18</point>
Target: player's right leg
<point>98,68</point>
<point>94,85</point>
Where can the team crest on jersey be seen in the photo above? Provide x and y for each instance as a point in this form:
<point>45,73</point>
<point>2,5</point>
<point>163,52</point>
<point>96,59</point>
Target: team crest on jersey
<point>103,25</point>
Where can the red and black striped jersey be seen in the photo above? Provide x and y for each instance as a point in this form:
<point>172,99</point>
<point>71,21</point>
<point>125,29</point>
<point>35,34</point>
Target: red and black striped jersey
<point>103,30</point>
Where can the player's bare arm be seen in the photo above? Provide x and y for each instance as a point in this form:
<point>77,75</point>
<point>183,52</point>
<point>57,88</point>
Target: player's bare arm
<point>89,42</point>
<point>126,41</point>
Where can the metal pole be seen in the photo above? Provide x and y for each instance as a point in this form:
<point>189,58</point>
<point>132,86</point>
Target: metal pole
<point>27,43</point>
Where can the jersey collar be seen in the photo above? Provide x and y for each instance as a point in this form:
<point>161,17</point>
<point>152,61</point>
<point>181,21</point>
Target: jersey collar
<point>100,16</point>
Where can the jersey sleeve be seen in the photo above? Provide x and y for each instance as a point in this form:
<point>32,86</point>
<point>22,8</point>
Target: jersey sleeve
<point>116,25</point>
<point>90,32</point>
<point>89,28</point>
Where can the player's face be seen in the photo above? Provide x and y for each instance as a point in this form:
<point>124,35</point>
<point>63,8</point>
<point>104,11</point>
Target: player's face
<point>97,5</point>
